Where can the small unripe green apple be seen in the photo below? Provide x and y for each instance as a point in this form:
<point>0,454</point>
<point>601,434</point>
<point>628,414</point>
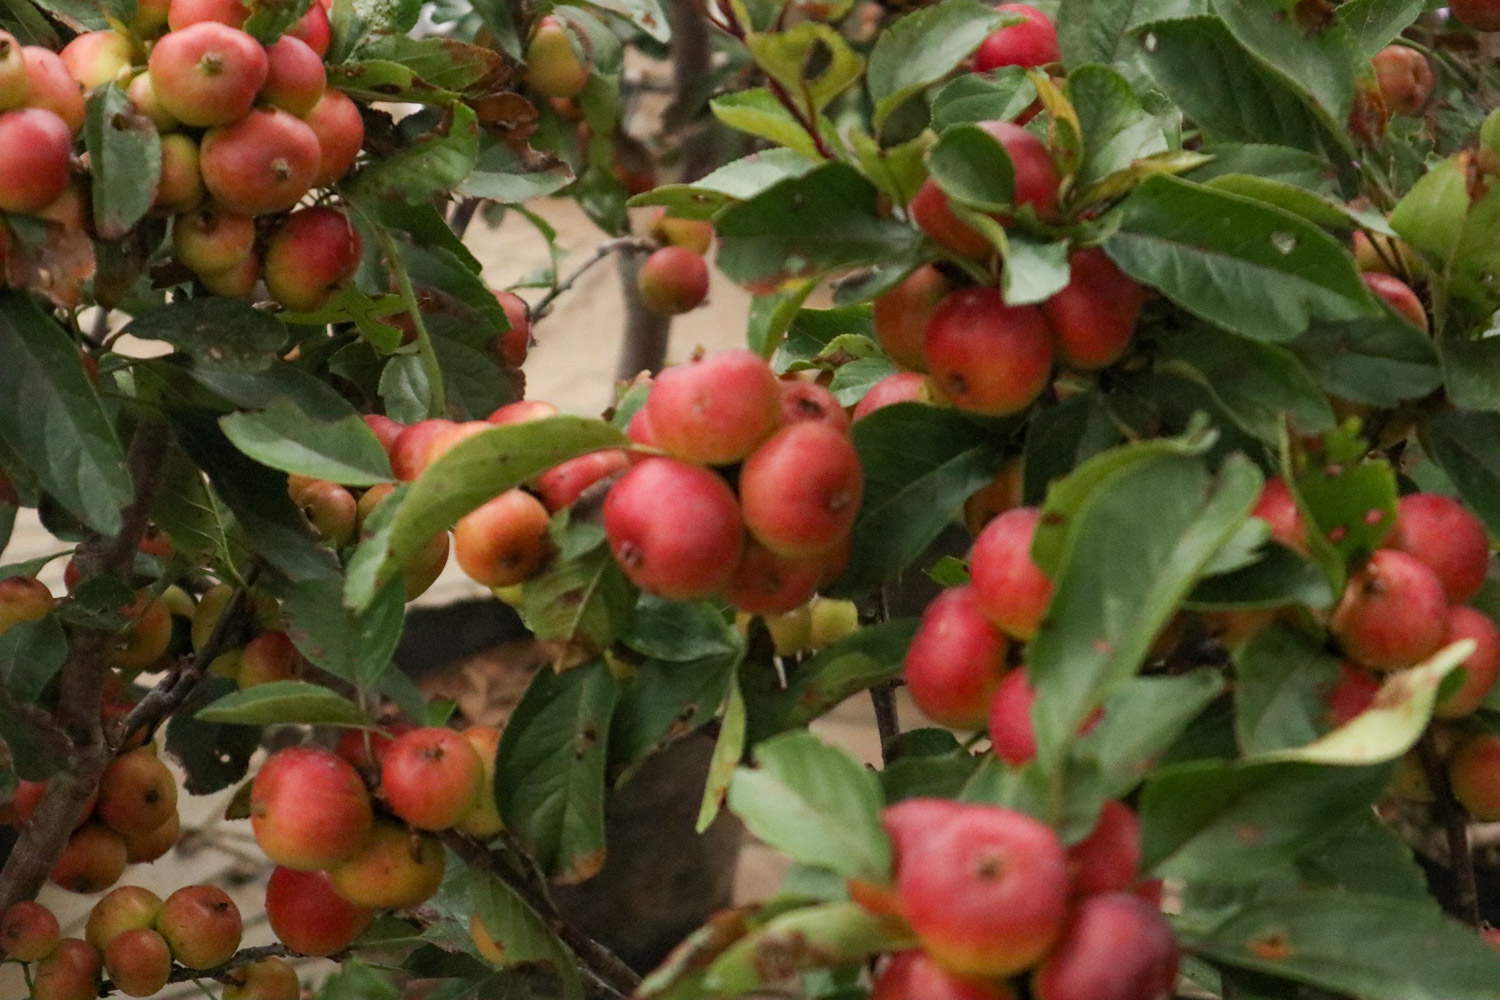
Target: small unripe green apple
<point>554,65</point>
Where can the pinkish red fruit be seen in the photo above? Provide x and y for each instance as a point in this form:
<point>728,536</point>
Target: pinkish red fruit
<point>261,164</point>
<point>955,661</point>
<point>336,121</point>
<point>715,410</point>
<point>309,808</point>
<point>1033,42</point>
<point>674,528</point>
<point>29,932</point>
<point>985,356</point>
<point>902,387</point>
<point>800,491</point>
<point>431,777</point>
<point>309,916</point>
<point>911,975</point>
<point>673,280</point>
<point>313,253</point>
<point>35,149</point>
<point>901,315</point>
<point>1109,858</point>
<point>1008,585</point>
<point>207,74</point>
<point>295,78</point>
<point>1482,667</point>
<point>1442,534</point>
<point>1093,318</point>
<point>201,925</point>
<point>1115,946</point>
<point>1393,613</point>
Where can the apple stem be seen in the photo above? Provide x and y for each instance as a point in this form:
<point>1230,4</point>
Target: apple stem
<point>1448,813</point>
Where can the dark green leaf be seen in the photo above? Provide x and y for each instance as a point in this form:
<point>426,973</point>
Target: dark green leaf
<point>816,804</point>
<point>213,755</point>
<point>1467,446</point>
<point>124,160</point>
<point>924,47</point>
<point>1367,856</point>
<point>1281,699</point>
<point>674,630</point>
<point>509,919</point>
<point>667,699</point>
<point>982,97</point>
<point>973,168</point>
<point>1321,63</point>
<point>1226,822</point>
<point>1237,262</point>
<point>1375,23</point>
<point>1379,362</point>
<point>223,332</point>
<point>1062,437</point>
<point>284,702</point>
<point>1373,947</point>
<point>1140,722</point>
<point>51,417</point>
<point>585,598</point>
<point>1260,385</point>
<point>31,654</point>
<point>357,981</point>
<point>285,437</point>
<point>354,646</point>
<point>1116,130</point>
<point>549,775</point>
<point>500,175</point>
<point>1280,576</point>
<point>437,161</point>
<point>734,181</point>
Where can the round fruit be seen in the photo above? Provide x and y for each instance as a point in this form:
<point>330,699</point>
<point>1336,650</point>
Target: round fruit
<point>69,973</point>
<point>553,65</point>
<point>139,962</point>
<point>911,975</point>
<point>395,868</point>
<point>208,73</point>
<point>261,164</point>
<point>181,186</point>
<point>201,925</point>
<point>674,528</point>
<point>1033,42</point>
<point>1012,733</point>
<point>35,149</point>
<point>562,484</point>
<point>483,818</point>
<point>504,541</point>
<point>129,907</point>
<point>93,861</point>
<point>765,583</point>
<point>1109,858</point>
<point>985,356</point>
<point>313,253</point>
<point>1093,318</point>
<point>901,315</point>
<point>182,13</point>
<point>802,399</point>
<point>295,79</point>
<point>137,794</point>
<point>715,410</point>
<point>800,491</point>
<point>431,777</point>
<point>696,235</point>
<point>955,660</point>
<point>1399,296</point>
<point>986,893</point>
<point>1278,508</point>
<point>309,916</point>
<point>314,29</point>
<point>930,210</point>
<point>673,280</point>
<point>211,241</point>
<point>29,932</point>
<point>340,130</point>
<point>1115,946</point>
<point>1008,585</point>
<point>96,57</point>
<point>1480,670</point>
<point>14,84</point>
<point>1440,533</point>
<point>49,85</point>
<point>308,808</point>
<point>1393,612</point>
<point>1481,15</point>
<point>902,387</point>
<point>268,979</point>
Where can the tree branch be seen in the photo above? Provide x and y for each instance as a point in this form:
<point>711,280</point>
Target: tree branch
<point>627,244</point>
<point>1446,810</point>
<point>690,66</point>
<point>608,977</point>
<point>646,332</point>
<point>240,959</point>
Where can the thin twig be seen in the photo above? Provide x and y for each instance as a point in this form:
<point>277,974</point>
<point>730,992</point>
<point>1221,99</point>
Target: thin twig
<point>1447,811</point>
<point>462,215</point>
<point>632,244</point>
<point>240,959</point>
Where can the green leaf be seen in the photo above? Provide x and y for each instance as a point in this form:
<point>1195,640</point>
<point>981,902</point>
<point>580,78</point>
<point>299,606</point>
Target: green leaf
<point>51,417</point>
<point>585,598</point>
<point>469,474</point>
<point>1376,23</point>
<point>1367,856</point>
<point>507,918</point>
<point>1278,577</point>
<point>1467,446</point>
<point>1114,591</point>
<point>924,47</point>
<point>1034,271</point>
<point>973,168</point>
<point>1320,62</point>
<point>829,934</point>
<point>354,646</point>
<point>357,981</point>
<point>1061,438</point>
<point>1395,722</point>
<point>789,58</point>
<point>124,161</point>
<point>897,170</point>
<point>667,699</point>
<point>440,63</point>
<point>1237,262</point>
<point>757,112</point>
<point>734,181</point>
<point>31,654</point>
<point>1100,31</point>
<point>285,702</point>
<point>549,774</point>
<point>224,332</point>
<point>1233,94</point>
<point>675,630</point>
<point>1141,720</point>
<point>771,315</point>
<point>1116,130</point>
<point>812,330</point>
<point>284,437</point>
<point>270,19</point>
<point>1260,385</point>
<point>1282,694</point>
<point>816,804</point>
<point>981,97</point>
<point>1380,362</point>
<point>729,749</point>
<point>920,463</point>
<point>194,519</point>
<point>500,175</point>
<point>1341,495</point>
<point>806,226</point>
<point>436,161</point>
<point>1220,821</point>
<point>1373,947</point>
<point>1431,215</point>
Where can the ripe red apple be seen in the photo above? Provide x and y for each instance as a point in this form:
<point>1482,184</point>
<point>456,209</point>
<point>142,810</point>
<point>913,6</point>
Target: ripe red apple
<point>201,925</point>
<point>522,411</point>
<point>295,78</point>
<point>69,973</point>
<point>137,794</point>
<point>1481,669</point>
<point>309,916</point>
<point>511,347</point>
<point>128,907</point>
<point>955,661</point>
<point>483,818</point>
<point>49,85</point>
<point>563,484</point>
<point>269,657</point>
<point>340,130</point>
<point>143,96</point>
<point>147,637</point>
<point>1012,733</point>
<point>1115,946</point>
<point>1035,184</point>
<point>1404,77</point>
<point>765,583</point>
<point>1398,295</point>
<point>1443,535</point>
<point>902,387</point>
<point>901,315</point>
<point>985,356</point>
<point>330,509</point>
<point>308,808</point>
<point>96,57</point>
<point>673,280</point>
<point>1093,318</point>
<point>270,978</point>
<point>425,566</point>
<point>314,29</point>
<point>139,962</point>
<point>431,777</point>
<point>930,210</point>
<point>714,410</point>
<point>93,861</point>
<point>1278,508</point>
<point>1393,612</point>
<point>1474,773</point>
<point>803,399</point>
<point>911,975</point>
<point>554,65</point>
<point>1354,692</point>
<point>23,599</point>
<point>674,528</point>
<point>236,283</point>
<point>29,932</point>
<point>396,868</point>
<point>696,235</point>
<point>800,491</point>
<point>313,253</point>
<point>1033,42</point>
<point>1109,858</point>
<point>1481,15</point>
<point>504,541</point>
<point>14,84</point>
<point>264,163</point>
<point>35,149</point>
<point>210,241</point>
<point>385,429</point>
<point>999,495</point>
<point>208,73</point>
<point>409,453</point>
<point>986,894</point>
<point>1011,590</point>
<point>182,13</point>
